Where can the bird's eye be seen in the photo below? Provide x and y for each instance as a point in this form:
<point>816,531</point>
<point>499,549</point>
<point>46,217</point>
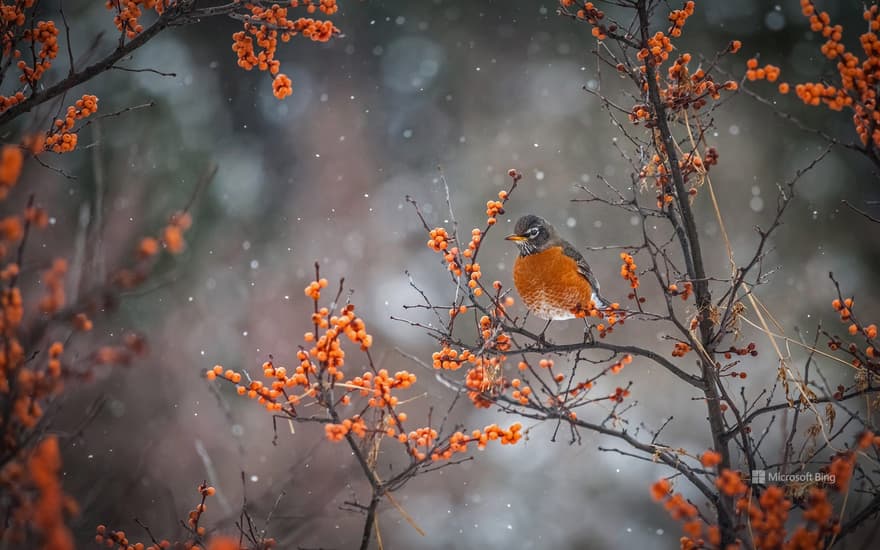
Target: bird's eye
<point>533,232</point>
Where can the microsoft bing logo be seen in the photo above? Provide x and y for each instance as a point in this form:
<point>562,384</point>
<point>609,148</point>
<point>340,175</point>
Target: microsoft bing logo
<point>763,477</point>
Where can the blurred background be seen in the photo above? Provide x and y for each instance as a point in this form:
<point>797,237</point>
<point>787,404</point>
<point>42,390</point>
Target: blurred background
<point>469,88</point>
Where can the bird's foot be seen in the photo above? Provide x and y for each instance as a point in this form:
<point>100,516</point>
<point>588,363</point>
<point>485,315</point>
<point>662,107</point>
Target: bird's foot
<point>541,338</point>
<point>588,333</point>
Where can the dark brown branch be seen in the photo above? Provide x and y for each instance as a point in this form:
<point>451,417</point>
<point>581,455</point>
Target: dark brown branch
<point>544,348</point>
<point>696,270</point>
<point>671,460</point>
<point>871,509</point>
<point>369,522</point>
<point>89,72</point>
<point>860,212</point>
<point>780,406</point>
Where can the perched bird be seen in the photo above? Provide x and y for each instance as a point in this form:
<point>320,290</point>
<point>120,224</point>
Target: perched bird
<point>551,276</point>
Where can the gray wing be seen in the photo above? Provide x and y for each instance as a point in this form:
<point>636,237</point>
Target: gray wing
<point>585,271</point>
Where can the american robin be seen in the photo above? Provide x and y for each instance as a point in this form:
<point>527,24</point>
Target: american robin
<point>551,276</point>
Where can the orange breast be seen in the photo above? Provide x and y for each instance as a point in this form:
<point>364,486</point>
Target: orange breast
<point>550,285</point>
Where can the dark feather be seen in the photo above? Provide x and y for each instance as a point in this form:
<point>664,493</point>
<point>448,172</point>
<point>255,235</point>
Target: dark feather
<point>583,269</point>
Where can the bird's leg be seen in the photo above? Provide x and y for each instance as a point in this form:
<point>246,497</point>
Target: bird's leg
<point>541,338</point>
<point>588,331</point>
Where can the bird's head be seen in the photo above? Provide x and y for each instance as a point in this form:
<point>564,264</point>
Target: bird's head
<point>532,234</point>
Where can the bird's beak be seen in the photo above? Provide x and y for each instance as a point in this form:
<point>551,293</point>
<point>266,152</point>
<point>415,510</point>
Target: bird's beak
<point>515,238</point>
